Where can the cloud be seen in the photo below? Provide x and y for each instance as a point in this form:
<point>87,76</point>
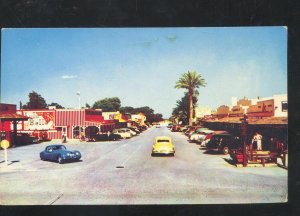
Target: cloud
<point>171,38</point>
<point>147,43</point>
<point>69,77</point>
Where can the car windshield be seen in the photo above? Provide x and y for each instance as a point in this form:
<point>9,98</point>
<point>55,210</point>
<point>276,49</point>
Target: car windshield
<point>59,148</point>
<point>163,140</point>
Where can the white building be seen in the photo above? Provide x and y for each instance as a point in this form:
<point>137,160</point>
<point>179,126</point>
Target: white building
<point>200,112</point>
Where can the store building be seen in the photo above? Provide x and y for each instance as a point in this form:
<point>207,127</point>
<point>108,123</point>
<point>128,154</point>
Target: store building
<point>71,122</point>
<point>9,120</point>
<point>139,118</point>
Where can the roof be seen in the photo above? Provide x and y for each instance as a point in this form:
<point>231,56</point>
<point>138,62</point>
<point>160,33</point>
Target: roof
<point>254,121</point>
<point>55,145</point>
<point>12,117</point>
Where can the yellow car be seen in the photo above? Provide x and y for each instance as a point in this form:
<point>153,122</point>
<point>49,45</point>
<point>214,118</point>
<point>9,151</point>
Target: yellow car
<point>163,145</point>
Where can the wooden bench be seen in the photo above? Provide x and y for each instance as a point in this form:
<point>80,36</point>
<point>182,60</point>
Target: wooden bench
<point>260,155</point>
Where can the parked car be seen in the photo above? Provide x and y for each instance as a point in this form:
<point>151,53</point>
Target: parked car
<point>163,145</point>
<point>24,139</point>
<point>183,128</point>
<point>198,129</point>
<point>223,143</point>
<point>104,137</point>
<point>175,128</point>
<point>135,130</point>
<point>200,135</point>
<point>191,129</point>
<point>59,153</point>
<point>207,138</point>
<point>122,133</point>
<point>133,133</point>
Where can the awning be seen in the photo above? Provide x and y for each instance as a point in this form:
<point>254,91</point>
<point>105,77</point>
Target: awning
<point>98,123</point>
<point>12,117</point>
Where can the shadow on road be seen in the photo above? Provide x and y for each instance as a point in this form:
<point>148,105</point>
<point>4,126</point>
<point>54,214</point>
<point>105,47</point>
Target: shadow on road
<point>212,152</point>
<point>229,161</point>
<point>162,155</point>
<point>10,162</point>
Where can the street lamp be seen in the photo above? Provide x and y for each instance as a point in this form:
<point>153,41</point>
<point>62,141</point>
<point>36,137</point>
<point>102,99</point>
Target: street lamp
<point>78,93</point>
<point>79,129</point>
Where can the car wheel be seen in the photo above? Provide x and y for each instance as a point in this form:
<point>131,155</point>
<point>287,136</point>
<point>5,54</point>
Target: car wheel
<point>225,150</point>
<point>60,160</point>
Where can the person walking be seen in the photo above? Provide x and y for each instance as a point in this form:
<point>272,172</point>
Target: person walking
<point>257,138</point>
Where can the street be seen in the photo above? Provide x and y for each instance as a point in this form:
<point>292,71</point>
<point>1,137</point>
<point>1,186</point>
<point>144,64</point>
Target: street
<point>123,172</point>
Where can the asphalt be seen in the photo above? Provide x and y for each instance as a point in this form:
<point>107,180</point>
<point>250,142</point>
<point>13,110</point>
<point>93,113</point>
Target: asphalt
<point>123,172</point>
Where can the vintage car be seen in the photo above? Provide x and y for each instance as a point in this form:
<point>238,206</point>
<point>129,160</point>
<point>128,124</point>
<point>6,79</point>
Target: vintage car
<point>122,133</point>
<point>24,139</point>
<point>132,132</point>
<point>198,135</point>
<point>175,128</point>
<point>207,138</point>
<point>163,145</point>
<point>59,153</point>
<point>104,137</point>
<point>223,143</point>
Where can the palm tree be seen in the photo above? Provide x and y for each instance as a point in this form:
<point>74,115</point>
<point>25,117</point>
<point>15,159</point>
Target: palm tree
<point>190,81</point>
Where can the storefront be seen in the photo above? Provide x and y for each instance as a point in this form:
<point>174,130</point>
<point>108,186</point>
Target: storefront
<point>74,123</point>
<point>9,120</point>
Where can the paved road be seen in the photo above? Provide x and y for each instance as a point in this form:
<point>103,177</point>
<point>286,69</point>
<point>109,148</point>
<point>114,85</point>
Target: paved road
<point>191,177</point>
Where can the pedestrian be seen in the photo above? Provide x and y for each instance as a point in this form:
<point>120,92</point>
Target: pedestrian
<point>64,138</point>
<point>257,139</point>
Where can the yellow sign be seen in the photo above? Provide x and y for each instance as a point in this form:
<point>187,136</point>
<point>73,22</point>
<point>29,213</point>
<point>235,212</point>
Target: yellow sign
<point>4,144</point>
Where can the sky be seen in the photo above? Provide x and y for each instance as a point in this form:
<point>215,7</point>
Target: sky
<point>142,65</point>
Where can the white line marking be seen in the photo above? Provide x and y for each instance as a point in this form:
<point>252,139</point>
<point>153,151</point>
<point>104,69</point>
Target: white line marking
<point>130,156</point>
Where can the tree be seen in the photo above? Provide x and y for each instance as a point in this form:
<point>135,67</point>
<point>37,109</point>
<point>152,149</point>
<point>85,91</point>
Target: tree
<point>87,105</point>
<point>154,117</point>
<point>127,109</point>
<point>190,81</point>
<point>56,105</point>
<point>181,111</point>
<point>36,101</point>
<point>108,104</point>
<point>147,111</point>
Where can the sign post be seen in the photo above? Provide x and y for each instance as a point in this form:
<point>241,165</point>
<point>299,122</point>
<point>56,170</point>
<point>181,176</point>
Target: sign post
<point>244,125</point>
<point>5,145</point>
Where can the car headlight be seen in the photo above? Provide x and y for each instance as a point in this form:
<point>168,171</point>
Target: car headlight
<point>77,153</point>
<point>68,154</point>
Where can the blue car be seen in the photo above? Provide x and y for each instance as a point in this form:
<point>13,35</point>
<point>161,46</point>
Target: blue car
<point>59,153</point>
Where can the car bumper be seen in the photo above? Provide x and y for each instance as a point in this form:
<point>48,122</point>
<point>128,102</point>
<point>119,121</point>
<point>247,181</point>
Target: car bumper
<point>163,152</point>
<point>71,158</point>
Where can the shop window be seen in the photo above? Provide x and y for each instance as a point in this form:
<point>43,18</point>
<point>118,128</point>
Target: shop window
<point>284,106</point>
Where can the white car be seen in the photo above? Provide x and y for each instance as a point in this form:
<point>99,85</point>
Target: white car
<point>199,136</point>
<point>133,133</point>
<point>122,133</point>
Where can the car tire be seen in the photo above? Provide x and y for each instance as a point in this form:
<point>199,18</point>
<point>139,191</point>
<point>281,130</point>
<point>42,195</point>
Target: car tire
<point>225,150</point>
<point>59,160</point>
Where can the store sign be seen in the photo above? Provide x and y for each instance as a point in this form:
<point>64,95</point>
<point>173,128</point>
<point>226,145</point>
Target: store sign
<point>38,120</point>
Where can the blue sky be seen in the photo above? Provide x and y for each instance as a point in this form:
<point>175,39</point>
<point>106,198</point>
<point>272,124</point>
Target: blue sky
<point>142,65</point>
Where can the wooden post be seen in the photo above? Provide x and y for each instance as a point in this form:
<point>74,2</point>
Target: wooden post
<point>244,139</point>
